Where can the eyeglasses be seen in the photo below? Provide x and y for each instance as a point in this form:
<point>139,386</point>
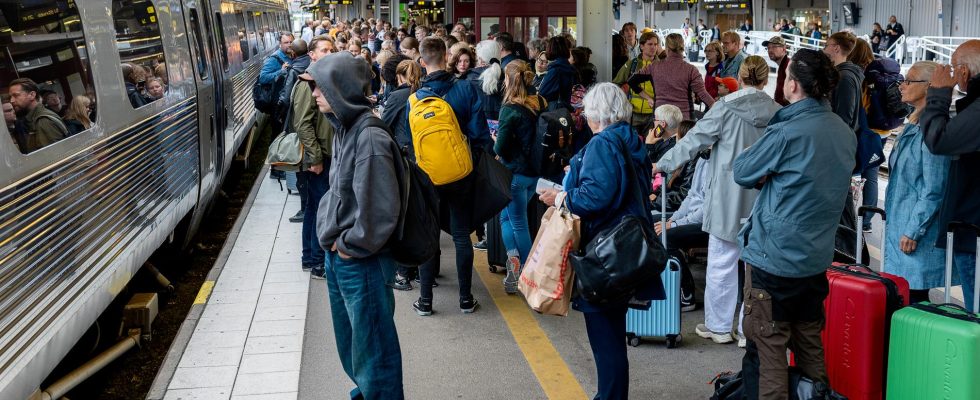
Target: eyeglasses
<point>911,81</point>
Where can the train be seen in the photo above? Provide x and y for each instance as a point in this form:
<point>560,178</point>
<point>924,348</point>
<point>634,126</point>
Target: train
<point>80,216</point>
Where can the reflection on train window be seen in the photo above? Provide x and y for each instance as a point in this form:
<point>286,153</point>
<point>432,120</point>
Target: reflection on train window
<point>140,50</point>
<point>243,41</point>
<point>220,20</point>
<point>45,76</point>
<point>253,34</point>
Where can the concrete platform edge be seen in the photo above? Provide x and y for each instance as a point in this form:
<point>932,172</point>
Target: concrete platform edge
<point>159,387</point>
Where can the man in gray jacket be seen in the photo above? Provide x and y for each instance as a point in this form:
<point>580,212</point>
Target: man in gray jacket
<point>802,164</point>
<point>357,218</point>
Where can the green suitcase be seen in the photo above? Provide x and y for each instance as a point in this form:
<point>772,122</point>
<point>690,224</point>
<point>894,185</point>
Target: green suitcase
<point>934,350</point>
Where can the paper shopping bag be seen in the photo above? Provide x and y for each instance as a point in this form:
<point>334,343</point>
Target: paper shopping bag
<point>547,278</point>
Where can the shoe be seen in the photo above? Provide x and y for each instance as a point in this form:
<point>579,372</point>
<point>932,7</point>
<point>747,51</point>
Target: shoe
<point>741,341</point>
<point>419,282</point>
<point>318,273</point>
<point>298,217</point>
<point>468,306</point>
<point>422,308</point>
<point>866,229</point>
<point>307,267</point>
<point>513,269</point>
<point>481,245</point>
<point>687,302</point>
<point>717,337</point>
<point>401,283</point>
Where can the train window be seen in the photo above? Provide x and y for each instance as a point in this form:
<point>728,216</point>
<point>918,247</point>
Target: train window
<point>144,69</point>
<point>254,34</point>
<point>243,41</point>
<point>220,34</point>
<point>202,59</point>
<point>45,75</point>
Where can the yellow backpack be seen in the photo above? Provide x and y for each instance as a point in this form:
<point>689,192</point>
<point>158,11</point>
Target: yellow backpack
<point>441,149</point>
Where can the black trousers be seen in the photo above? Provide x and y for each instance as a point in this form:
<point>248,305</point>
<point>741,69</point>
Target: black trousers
<point>685,237</point>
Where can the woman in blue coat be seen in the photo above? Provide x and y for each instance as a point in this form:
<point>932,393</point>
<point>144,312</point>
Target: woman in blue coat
<point>597,189</point>
<point>916,183</point>
<point>556,86</point>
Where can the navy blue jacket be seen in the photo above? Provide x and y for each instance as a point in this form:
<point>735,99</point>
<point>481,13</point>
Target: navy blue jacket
<point>558,81</point>
<point>598,190</point>
<point>466,102</point>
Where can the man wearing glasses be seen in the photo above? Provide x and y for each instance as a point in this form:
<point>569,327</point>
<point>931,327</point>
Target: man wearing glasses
<point>777,53</point>
<point>958,136</point>
<point>731,42</point>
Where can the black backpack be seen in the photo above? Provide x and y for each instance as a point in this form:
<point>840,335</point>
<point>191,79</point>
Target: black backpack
<point>416,237</point>
<point>549,152</point>
<point>266,95</point>
<point>886,110</point>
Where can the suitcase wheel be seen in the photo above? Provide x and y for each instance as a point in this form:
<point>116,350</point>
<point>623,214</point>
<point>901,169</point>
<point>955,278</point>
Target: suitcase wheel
<point>632,339</point>
<point>493,269</point>
<point>673,340</point>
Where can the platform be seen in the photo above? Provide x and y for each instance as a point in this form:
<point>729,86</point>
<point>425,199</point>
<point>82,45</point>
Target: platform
<point>264,332</point>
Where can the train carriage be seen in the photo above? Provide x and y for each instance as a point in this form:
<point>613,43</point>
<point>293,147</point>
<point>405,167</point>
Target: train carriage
<point>80,216</point>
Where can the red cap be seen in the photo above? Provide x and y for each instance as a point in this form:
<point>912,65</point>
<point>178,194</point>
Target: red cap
<point>729,82</point>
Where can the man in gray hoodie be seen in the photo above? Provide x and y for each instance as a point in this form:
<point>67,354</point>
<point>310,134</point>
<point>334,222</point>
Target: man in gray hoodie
<point>357,218</point>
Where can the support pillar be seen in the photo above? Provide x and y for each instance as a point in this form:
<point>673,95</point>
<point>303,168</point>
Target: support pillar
<point>395,11</point>
<point>595,21</point>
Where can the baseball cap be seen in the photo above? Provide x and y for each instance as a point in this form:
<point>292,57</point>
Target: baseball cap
<point>776,40</point>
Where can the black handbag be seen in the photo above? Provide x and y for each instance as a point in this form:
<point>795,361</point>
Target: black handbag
<point>490,186</point>
<point>621,259</point>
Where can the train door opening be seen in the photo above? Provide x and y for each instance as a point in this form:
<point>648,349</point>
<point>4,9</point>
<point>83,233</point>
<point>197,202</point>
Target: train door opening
<point>211,153</point>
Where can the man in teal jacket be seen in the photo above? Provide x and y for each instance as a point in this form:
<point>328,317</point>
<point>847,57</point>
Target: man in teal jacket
<point>802,164</point>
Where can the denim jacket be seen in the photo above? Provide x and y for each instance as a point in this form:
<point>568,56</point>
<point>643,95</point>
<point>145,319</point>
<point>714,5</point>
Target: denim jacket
<point>917,182</point>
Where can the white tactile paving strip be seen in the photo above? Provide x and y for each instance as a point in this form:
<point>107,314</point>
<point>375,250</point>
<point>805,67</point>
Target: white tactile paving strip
<point>248,343</point>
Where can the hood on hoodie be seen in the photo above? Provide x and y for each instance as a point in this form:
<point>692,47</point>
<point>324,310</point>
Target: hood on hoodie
<point>749,104</point>
<point>343,80</point>
<point>301,63</point>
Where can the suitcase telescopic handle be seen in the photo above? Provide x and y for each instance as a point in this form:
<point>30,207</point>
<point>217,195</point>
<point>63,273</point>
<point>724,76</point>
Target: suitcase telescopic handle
<point>663,209</point>
<point>951,229</point>
<point>858,249</point>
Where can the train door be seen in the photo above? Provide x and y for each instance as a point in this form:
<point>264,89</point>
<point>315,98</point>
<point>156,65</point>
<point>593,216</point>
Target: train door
<point>208,99</point>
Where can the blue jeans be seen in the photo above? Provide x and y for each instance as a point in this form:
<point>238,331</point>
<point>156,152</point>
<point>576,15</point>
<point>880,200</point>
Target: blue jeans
<point>312,188</point>
<point>458,197</point>
<point>607,333</point>
<point>966,265</point>
<point>869,194</point>
<point>513,219</point>
<point>362,307</point>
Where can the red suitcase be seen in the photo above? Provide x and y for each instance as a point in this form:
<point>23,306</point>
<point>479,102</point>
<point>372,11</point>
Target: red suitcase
<point>855,339</point>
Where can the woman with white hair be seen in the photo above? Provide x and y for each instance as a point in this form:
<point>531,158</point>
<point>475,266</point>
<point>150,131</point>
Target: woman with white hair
<point>661,133</point>
<point>598,189</point>
<point>734,123</point>
<point>489,76</point>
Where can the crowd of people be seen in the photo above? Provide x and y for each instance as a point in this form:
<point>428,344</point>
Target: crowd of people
<point>37,116</point>
<point>763,183</point>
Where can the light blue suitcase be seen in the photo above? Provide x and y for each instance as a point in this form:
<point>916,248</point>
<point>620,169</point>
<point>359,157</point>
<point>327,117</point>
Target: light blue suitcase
<point>663,319</point>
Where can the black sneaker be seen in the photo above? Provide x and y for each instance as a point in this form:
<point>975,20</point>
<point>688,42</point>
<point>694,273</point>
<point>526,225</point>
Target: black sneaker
<point>468,306</point>
<point>318,273</point>
<point>298,217</point>
<point>481,245</point>
<point>423,307</point>
<point>307,267</point>
<point>687,302</point>
<point>401,283</point>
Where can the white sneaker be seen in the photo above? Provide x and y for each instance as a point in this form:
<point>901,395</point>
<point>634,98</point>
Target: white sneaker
<point>717,337</point>
<point>741,341</point>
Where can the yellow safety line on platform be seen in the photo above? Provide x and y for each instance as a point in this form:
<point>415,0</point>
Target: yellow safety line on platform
<point>202,295</point>
<point>556,379</point>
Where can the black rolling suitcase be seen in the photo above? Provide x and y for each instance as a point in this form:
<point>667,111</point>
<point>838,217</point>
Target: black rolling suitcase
<point>496,251</point>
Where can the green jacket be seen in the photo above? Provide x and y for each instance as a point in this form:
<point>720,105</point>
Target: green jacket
<point>44,127</point>
<point>314,130</point>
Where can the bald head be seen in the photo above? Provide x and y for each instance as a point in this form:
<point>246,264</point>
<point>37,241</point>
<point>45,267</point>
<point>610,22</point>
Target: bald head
<point>966,62</point>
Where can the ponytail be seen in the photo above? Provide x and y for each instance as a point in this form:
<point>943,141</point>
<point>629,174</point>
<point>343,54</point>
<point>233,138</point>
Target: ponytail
<point>491,79</point>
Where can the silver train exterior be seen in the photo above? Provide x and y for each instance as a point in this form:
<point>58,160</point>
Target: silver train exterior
<point>78,218</point>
